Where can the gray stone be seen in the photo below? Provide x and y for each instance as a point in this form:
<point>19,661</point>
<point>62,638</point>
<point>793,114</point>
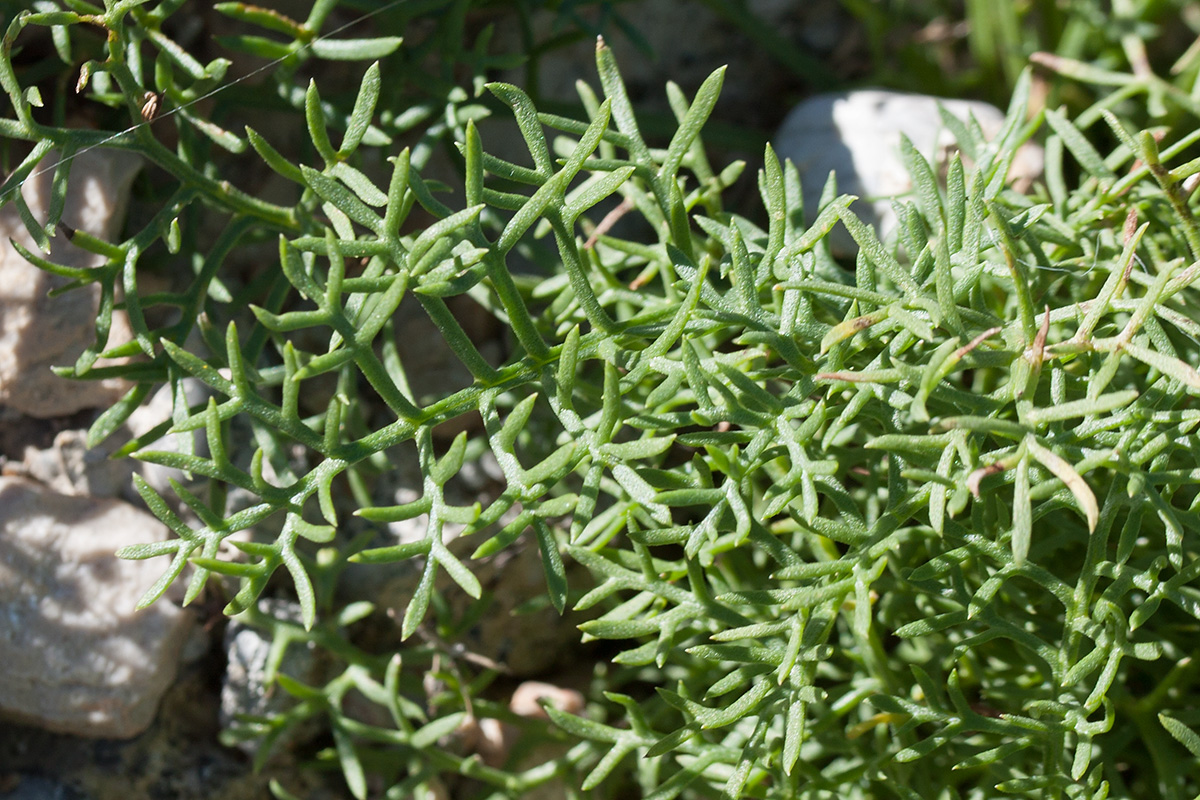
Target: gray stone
<point>70,467</point>
<point>77,657</point>
<point>246,690</point>
<point>38,331</point>
<point>857,135</point>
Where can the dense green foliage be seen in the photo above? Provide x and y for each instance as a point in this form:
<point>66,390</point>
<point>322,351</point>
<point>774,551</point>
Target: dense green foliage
<point>923,527</point>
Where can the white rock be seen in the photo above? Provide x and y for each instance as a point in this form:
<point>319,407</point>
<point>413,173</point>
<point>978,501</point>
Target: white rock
<point>77,658</point>
<point>37,331</point>
<point>857,135</point>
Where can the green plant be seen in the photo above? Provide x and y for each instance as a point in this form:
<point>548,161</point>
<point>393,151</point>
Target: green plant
<point>923,529</point>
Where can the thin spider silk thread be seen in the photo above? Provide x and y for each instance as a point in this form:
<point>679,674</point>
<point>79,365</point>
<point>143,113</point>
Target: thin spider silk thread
<point>270,64</point>
<point>1095,260</point>
<point>1041,268</point>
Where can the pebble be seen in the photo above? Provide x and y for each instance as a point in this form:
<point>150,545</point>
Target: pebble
<point>245,689</point>
<point>77,657</point>
<point>857,136</point>
<point>70,467</point>
<point>38,331</point>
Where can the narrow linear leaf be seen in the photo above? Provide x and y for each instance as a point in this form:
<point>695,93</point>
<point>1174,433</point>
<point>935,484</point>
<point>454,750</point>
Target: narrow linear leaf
<point>356,49</point>
<point>1174,367</point>
<point>1022,513</point>
<point>1182,733</point>
<point>1066,473</point>
<point>364,109</point>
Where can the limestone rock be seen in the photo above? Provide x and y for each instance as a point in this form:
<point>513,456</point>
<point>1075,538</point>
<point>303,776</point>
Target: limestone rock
<point>857,135</point>
<point>37,331</point>
<point>77,657</point>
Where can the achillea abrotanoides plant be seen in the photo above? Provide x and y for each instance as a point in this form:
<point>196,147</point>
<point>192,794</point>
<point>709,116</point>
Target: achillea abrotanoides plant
<point>922,529</point>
